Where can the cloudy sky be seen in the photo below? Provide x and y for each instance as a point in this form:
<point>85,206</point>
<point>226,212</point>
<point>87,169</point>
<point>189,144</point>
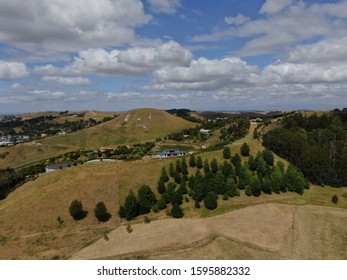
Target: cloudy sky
<point>117,55</point>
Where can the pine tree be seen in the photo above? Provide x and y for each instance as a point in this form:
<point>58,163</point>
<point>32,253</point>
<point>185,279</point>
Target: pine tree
<point>226,153</point>
<point>199,162</point>
<point>261,167</point>
<point>171,169</point>
<point>245,174</point>
<point>232,188</point>
<point>171,187</point>
<point>184,167</point>
<point>183,187</point>
<point>236,160</point>
<point>277,180</point>
<point>251,163</point>
<point>245,150</point>
<point>267,185</point>
<point>177,177</point>
<point>255,186</point>
<point>220,183</point>
<point>121,212</point>
<point>192,162</point>
<point>178,166</point>
<point>226,169</point>
<point>177,211</point>
<point>268,157</point>
<point>131,207</point>
<point>214,166</point>
<point>248,190</point>
<point>206,166</point>
<point>198,187</point>
<point>164,177</point>
<point>210,201</point>
<point>290,178</point>
<point>177,198</point>
<point>161,186</point>
<point>146,199</point>
<point>161,203</point>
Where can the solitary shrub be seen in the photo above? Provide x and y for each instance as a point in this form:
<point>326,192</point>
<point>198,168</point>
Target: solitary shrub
<point>76,210</point>
<point>129,228</point>
<point>147,220</point>
<point>60,221</point>
<point>101,213</point>
<point>334,199</point>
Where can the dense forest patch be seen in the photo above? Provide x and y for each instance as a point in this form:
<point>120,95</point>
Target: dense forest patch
<point>317,145</point>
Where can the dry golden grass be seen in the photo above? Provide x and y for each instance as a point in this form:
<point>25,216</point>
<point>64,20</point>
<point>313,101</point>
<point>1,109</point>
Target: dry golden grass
<point>31,212</point>
<point>29,227</point>
<point>266,231</point>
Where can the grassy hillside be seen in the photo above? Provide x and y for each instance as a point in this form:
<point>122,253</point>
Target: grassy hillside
<point>30,230</point>
<point>131,127</point>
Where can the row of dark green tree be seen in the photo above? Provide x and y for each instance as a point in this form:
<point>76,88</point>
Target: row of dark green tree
<point>317,145</point>
<point>205,181</point>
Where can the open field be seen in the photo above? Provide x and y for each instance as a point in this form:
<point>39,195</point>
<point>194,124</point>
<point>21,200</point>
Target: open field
<point>266,231</point>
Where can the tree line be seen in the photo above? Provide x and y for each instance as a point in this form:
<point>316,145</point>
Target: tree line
<point>317,145</point>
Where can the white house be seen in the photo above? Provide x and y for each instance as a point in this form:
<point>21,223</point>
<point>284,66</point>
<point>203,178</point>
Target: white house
<point>170,154</point>
<point>205,131</point>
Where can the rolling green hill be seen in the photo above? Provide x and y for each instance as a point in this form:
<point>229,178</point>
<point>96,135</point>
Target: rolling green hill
<point>131,127</point>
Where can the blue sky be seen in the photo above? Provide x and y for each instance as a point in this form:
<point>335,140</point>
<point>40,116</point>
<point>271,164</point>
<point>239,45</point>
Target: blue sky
<point>116,55</point>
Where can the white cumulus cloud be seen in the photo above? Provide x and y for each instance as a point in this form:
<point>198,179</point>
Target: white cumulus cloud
<point>12,70</point>
<point>205,74</point>
<point>67,81</point>
<point>132,61</point>
<point>65,25</point>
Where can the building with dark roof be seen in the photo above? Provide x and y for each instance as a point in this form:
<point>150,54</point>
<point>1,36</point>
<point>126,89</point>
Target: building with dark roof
<point>56,166</point>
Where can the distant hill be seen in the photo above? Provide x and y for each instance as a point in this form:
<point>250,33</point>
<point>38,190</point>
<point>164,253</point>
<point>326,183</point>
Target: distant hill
<point>185,114</point>
<point>130,127</point>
